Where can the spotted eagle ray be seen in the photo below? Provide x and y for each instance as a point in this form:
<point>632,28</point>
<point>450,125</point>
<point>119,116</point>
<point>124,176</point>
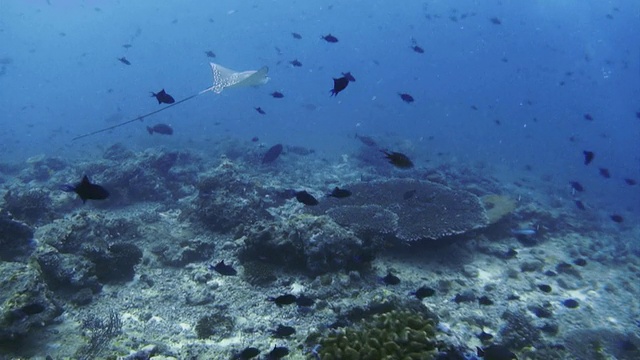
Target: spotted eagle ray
<point>222,78</point>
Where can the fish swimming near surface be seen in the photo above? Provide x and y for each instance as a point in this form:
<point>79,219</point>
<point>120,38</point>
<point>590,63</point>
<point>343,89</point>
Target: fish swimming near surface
<point>277,95</point>
<point>260,111</point>
<point>330,38</point>
<point>86,190</point>
<point>588,156</point>
<point>417,49</point>
<point>406,98</point>
<point>349,76</point>
<point>210,54</point>
<point>124,60</point>
<point>295,63</point>
<point>398,160</point>
<point>605,173</point>
<point>272,154</point>
<point>306,198</point>
<point>163,97</point>
<point>630,182</point>
<point>339,193</point>
<point>224,269</point>
<point>162,129</point>
<point>296,35</point>
<point>339,85</point>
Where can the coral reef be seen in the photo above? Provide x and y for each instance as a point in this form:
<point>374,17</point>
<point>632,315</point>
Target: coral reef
<point>424,210</point>
<point>25,301</point>
<point>15,240</point>
<point>316,244</point>
<point>116,263</point>
<point>31,205</point>
<point>497,206</point>
<point>69,273</point>
<point>519,330</point>
<point>602,343</point>
<point>100,330</point>
<point>394,334</point>
<point>216,324</point>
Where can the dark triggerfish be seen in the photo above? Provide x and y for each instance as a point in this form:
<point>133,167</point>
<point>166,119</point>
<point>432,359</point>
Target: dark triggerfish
<point>163,129</point>
<point>272,154</point>
<point>163,97</point>
<point>86,190</point>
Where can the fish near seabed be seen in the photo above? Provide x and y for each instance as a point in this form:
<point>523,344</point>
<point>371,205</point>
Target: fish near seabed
<point>398,160</point>
<point>86,190</point>
<point>272,154</point>
<point>163,129</point>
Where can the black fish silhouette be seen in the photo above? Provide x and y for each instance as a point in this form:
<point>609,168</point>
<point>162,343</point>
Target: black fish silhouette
<point>306,198</point>
<point>339,193</point>
<point>272,154</point>
<point>349,76</point>
<point>588,156</point>
<point>124,60</point>
<point>406,97</point>
<point>296,35</point>
<point>86,190</point>
<point>163,97</point>
<point>260,111</point>
<point>605,173</point>
<point>277,95</point>
<point>281,300</point>
<point>339,85</point>
<point>295,63</point>
<point>224,269</point>
<point>330,38</point>
<point>398,160</point>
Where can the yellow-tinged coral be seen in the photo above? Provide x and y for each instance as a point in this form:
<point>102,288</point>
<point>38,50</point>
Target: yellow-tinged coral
<point>397,334</point>
<point>498,206</point>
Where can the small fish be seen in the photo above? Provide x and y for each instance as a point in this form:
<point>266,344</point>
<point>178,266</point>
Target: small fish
<point>406,98</point>
<point>210,54</point>
<point>330,38</point>
<point>417,49</point>
<point>398,160</point>
<point>496,352</point>
<point>605,173</point>
<point>247,353</point>
<point>576,186</point>
<point>339,193</point>
<point>224,269</point>
<point>163,97</point>
<point>424,292</point>
<point>588,156</point>
<point>391,279</point>
<point>277,95</point>
<point>272,154</point>
<point>278,352</point>
<point>495,21</point>
<point>580,205</point>
<point>523,232</point>
<point>617,218</point>
<point>163,129</point>
<point>283,331</point>
<point>339,84</point>
<point>126,46</point>
<point>473,107</point>
<point>255,139</point>
<point>409,194</point>
<point>349,76</point>
<point>588,117</point>
<point>304,301</point>
<point>306,198</point>
<point>281,300</point>
<point>260,111</point>
<point>124,60</point>
<point>86,190</point>
<point>296,35</point>
<point>295,63</point>
<point>630,182</point>
<point>485,300</point>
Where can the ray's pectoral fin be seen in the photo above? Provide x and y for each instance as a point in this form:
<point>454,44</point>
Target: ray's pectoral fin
<point>227,78</point>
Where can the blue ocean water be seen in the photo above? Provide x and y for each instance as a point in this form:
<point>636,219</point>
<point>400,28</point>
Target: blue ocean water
<point>537,73</point>
<point>517,88</point>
